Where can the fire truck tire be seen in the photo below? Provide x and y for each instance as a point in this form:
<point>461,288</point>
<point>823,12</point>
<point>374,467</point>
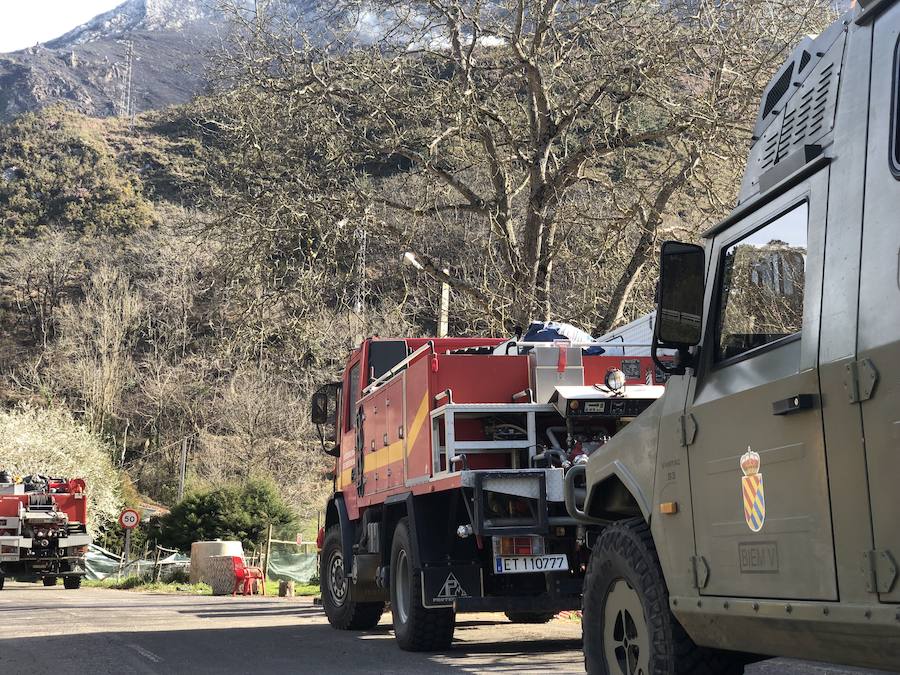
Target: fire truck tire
<point>72,583</point>
<point>530,617</point>
<point>626,621</point>
<point>49,581</point>
<point>337,590</point>
<point>416,628</point>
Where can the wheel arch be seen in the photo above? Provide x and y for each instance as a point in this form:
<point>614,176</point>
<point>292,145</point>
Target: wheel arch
<point>336,514</point>
<point>614,493</point>
<point>397,507</point>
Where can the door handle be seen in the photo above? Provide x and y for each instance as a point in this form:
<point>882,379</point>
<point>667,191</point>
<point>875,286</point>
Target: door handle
<point>793,404</point>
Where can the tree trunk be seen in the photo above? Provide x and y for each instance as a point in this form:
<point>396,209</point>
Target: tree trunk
<point>615,308</point>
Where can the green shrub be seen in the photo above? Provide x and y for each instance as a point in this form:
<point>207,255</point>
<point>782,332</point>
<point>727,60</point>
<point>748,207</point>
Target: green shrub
<point>241,512</point>
<point>60,171</point>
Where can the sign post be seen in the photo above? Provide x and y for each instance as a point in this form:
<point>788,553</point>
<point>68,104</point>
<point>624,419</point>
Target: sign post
<point>129,519</point>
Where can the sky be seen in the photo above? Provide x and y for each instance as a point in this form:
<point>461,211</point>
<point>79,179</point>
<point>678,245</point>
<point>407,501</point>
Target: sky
<point>24,23</point>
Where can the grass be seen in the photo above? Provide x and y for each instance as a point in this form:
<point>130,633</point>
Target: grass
<point>304,590</point>
<point>135,583</point>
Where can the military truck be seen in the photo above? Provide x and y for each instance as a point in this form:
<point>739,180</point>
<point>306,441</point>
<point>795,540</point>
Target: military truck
<point>754,508</point>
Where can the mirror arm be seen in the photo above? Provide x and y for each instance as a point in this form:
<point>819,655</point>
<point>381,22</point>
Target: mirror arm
<point>678,368</point>
<point>333,452</point>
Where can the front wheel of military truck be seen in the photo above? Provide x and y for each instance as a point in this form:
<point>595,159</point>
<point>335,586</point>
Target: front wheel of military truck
<point>627,625</point>
<point>343,612</point>
<point>416,627</point>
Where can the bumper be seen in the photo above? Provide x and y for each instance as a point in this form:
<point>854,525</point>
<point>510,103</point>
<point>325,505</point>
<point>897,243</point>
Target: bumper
<point>539,485</point>
<point>10,547</point>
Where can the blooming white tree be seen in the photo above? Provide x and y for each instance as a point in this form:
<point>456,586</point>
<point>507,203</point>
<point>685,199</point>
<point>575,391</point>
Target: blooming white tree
<point>51,442</point>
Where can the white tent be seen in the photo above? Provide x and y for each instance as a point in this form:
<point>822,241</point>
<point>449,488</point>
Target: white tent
<point>638,332</point>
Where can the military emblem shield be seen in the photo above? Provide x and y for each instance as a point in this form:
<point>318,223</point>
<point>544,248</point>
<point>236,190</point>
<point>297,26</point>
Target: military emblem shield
<point>752,489</point>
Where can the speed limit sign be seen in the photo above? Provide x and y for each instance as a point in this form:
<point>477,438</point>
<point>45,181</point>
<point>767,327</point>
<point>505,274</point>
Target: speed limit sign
<point>129,519</point>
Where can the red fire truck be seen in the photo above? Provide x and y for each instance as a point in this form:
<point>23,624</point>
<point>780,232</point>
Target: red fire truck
<point>43,531</point>
<point>451,456</point>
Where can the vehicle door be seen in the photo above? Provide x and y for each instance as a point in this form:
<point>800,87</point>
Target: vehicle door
<point>878,339</point>
<point>757,458</point>
<point>350,476</point>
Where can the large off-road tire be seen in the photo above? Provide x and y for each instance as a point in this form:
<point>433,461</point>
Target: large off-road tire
<point>627,624</point>
<point>530,617</point>
<point>72,582</point>
<point>343,612</point>
<point>49,581</point>
<point>417,628</point>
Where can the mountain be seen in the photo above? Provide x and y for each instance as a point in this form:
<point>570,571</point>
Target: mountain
<point>87,67</point>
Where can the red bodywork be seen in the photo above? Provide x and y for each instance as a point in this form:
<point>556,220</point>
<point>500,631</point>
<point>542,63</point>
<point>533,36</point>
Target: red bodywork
<point>72,503</point>
<point>397,434</point>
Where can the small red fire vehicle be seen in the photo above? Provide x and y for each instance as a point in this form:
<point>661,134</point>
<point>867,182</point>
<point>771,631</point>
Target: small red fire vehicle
<point>43,531</point>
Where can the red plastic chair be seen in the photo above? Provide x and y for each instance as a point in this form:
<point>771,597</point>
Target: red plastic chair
<point>244,576</point>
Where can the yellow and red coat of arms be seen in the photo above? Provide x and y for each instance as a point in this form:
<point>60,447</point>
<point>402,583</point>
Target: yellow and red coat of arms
<point>752,489</point>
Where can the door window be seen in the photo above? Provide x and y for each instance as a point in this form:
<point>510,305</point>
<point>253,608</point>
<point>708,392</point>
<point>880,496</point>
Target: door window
<point>894,145</point>
<point>352,396</point>
<point>762,286</point>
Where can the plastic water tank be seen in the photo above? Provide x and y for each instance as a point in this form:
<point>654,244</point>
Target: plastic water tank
<point>202,551</point>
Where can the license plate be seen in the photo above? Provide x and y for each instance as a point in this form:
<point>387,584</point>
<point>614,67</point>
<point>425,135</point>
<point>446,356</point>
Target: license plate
<point>553,562</point>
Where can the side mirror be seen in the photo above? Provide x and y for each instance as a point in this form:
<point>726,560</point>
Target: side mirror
<point>324,404</point>
<point>324,414</point>
<point>320,408</point>
<point>679,315</point>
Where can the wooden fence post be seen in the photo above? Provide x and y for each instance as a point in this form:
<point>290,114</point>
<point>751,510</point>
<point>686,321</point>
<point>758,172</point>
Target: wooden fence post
<point>268,554</point>
<point>157,568</point>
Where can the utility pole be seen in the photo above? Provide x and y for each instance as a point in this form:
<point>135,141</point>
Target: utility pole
<point>357,316</point>
<point>126,104</point>
<point>444,313</point>
<point>184,444</point>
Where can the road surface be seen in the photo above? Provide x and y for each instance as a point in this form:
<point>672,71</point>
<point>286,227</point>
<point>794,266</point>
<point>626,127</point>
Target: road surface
<point>51,630</point>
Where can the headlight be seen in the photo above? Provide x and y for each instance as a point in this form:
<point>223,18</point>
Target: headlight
<point>615,379</point>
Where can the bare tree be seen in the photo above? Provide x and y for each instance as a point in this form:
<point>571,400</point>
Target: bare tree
<point>38,274</point>
<point>95,347</point>
<point>499,111</point>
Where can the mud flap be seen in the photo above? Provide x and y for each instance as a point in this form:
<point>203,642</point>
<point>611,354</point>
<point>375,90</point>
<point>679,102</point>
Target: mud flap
<point>443,585</point>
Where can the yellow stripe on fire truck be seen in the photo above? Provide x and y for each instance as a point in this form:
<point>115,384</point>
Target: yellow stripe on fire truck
<point>382,457</point>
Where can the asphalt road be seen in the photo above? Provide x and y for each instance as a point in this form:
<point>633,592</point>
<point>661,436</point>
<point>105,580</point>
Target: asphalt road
<point>51,630</point>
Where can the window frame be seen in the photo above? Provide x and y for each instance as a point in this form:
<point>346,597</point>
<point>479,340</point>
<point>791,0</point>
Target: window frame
<point>717,308</point>
<point>894,140</point>
<point>352,395</point>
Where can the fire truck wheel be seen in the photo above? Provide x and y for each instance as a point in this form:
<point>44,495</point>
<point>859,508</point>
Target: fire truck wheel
<point>71,583</point>
<point>530,617</point>
<point>337,591</point>
<point>417,628</point>
<point>627,625</point>
<point>49,581</point>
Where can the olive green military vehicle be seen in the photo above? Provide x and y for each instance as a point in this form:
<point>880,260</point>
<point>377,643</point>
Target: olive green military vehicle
<point>755,508</point>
